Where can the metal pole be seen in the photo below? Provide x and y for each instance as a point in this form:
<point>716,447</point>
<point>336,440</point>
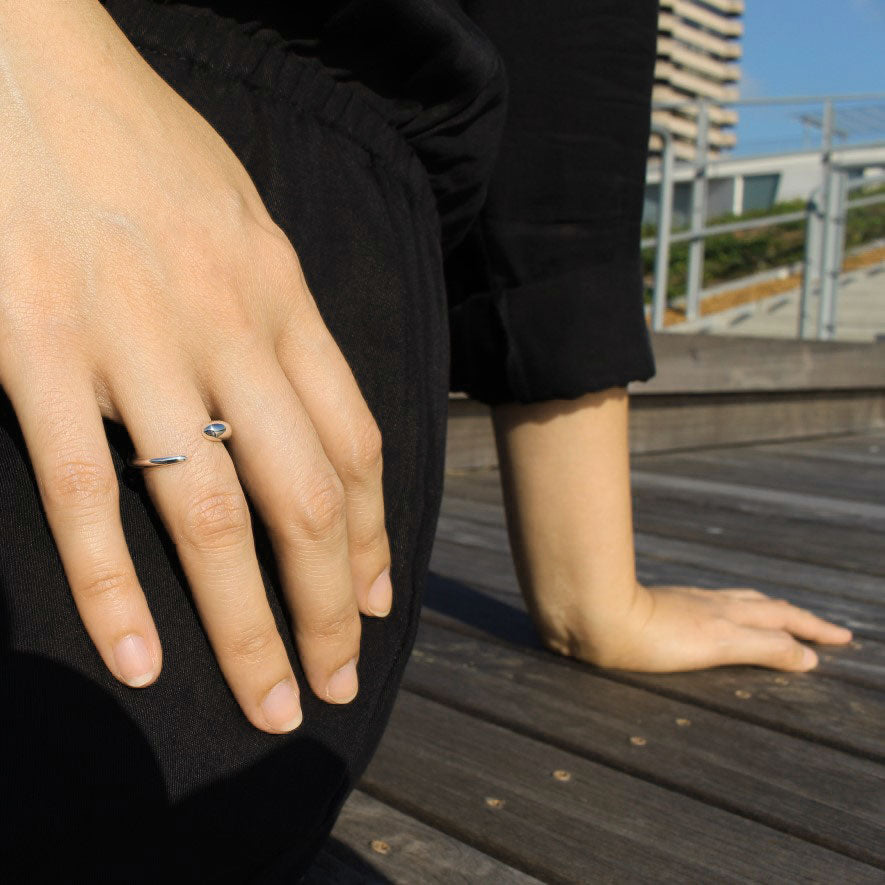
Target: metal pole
<point>839,230</point>
<point>665,223</point>
<point>698,216</point>
<point>829,281</point>
<point>825,188</point>
<point>812,243</point>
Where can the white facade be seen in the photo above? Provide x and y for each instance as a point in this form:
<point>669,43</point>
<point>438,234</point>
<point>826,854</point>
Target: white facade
<point>739,185</point>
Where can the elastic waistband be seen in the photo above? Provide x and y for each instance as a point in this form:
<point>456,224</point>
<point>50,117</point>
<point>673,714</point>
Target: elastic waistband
<point>260,57</point>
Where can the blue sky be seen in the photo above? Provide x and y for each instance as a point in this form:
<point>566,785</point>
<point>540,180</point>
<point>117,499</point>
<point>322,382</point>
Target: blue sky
<point>807,47</point>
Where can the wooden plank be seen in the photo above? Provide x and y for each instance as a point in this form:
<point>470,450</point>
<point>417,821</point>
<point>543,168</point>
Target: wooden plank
<point>822,584</point>
<point>758,527</point>
<point>783,470</point>
<point>493,585</point>
<point>863,448</point>
<point>478,498</point>
<point>775,501</point>
<point>852,674</point>
<point>375,843</point>
<point>496,789</point>
<point>473,554</point>
<point>830,711</point>
<point>822,707</point>
<point>831,583</point>
<point>793,785</point>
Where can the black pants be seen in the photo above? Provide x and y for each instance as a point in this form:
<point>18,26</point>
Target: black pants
<point>106,783</point>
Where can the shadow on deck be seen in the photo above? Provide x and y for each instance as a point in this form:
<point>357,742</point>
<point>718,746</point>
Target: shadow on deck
<point>505,762</point>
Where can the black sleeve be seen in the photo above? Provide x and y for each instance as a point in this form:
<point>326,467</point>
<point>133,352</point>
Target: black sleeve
<point>545,290</point>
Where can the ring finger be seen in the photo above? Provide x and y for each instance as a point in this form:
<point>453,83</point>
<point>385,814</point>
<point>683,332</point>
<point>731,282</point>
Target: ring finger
<point>205,512</point>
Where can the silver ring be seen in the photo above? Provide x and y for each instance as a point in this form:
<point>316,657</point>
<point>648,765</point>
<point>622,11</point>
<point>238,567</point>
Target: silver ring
<point>216,430</point>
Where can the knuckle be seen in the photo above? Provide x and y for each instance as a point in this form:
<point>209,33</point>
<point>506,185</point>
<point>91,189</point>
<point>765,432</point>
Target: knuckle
<point>252,645</point>
<point>232,202</point>
<point>80,481</point>
<point>216,519</point>
<point>321,510</point>
<point>242,328</point>
<point>371,540</point>
<point>106,589</point>
<point>364,455</point>
<point>783,647</point>
<point>281,259</point>
<point>280,250</point>
<point>336,625</point>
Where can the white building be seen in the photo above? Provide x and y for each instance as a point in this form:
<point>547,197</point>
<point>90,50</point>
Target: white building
<point>698,45</point>
<point>743,184</point>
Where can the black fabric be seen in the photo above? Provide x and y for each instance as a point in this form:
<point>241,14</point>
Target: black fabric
<point>532,119</point>
<point>546,291</point>
<point>464,176</point>
<point>171,783</point>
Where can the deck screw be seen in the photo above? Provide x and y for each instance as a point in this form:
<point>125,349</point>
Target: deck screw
<point>562,775</point>
<point>743,693</point>
<point>683,722</point>
<point>638,741</point>
<point>494,803</point>
<point>781,680</point>
<point>380,846</point>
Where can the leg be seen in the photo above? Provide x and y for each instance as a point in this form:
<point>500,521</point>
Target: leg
<point>172,780</point>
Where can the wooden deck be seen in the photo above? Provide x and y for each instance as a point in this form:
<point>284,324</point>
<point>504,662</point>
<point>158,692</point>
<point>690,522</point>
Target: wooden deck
<point>505,762</point>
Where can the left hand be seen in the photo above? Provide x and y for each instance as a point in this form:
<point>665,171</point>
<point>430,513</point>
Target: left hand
<point>671,628</point>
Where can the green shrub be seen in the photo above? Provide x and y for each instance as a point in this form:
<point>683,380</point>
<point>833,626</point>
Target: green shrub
<point>741,254</point>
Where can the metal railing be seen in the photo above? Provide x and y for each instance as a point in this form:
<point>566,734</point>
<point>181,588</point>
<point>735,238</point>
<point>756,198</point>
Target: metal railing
<point>824,214</point>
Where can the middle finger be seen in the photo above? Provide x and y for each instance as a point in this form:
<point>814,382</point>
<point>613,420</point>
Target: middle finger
<point>283,464</point>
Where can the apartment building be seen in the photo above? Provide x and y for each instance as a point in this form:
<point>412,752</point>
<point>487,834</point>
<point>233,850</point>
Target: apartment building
<point>698,47</point>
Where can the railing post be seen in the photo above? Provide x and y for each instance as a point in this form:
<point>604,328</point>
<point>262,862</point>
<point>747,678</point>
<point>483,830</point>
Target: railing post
<point>665,225</point>
<point>812,244</point>
<point>698,216</point>
<point>829,283</point>
<point>825,189</point>
<point>840,187</point>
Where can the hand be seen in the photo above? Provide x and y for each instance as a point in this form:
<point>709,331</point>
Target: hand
<point>144,281</point>
<point>575,561</point>
<point>669,629</point>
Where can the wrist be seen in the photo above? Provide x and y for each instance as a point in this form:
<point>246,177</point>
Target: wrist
<point>589,632</point>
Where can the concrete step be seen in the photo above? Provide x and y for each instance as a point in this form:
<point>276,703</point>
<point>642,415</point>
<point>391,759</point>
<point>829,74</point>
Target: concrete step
<point>860,312</point>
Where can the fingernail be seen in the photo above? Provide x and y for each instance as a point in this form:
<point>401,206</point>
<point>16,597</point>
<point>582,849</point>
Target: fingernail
<point>809,658</point>
<point>134,660</point>
<point>381,594</point>
<point>281,708</point>
<point>343,685</point>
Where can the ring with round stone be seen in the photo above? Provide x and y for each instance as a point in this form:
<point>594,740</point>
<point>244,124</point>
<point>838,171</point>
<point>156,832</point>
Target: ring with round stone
<point>215,430</point>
